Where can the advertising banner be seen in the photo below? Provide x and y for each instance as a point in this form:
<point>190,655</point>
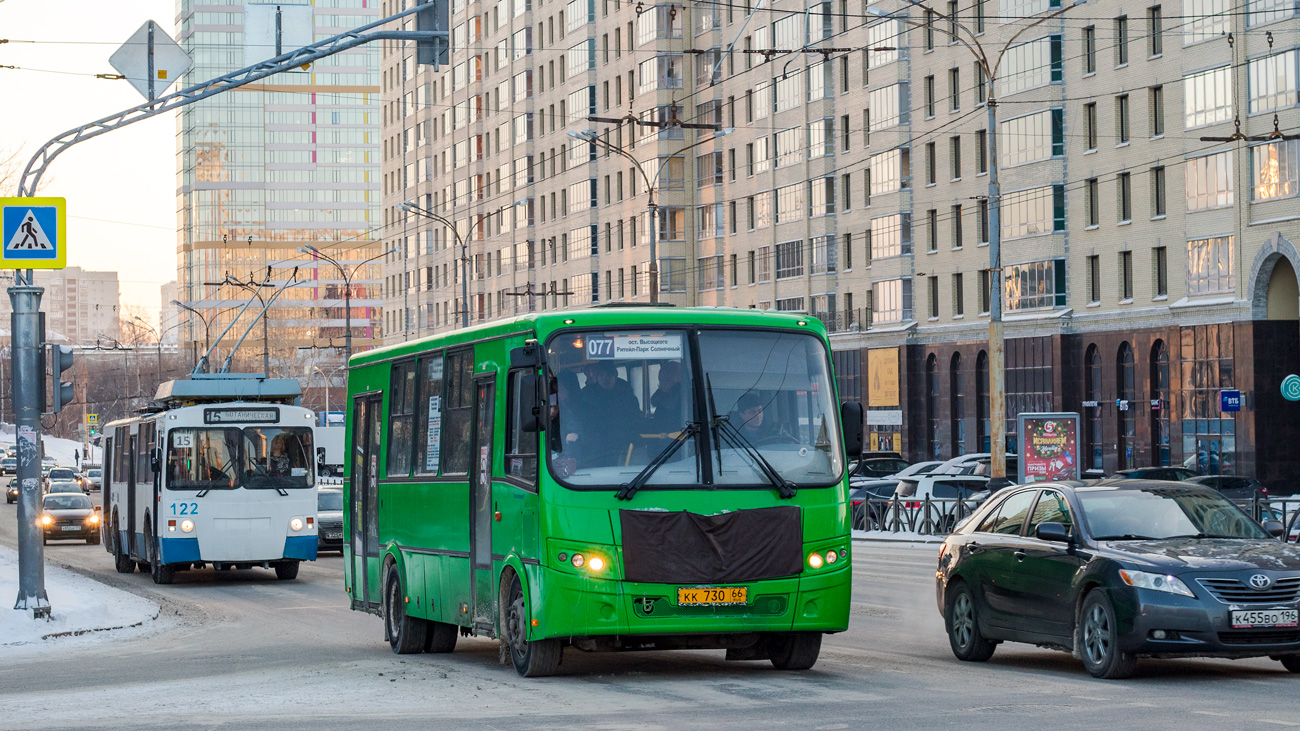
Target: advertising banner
<point>1049,447</point>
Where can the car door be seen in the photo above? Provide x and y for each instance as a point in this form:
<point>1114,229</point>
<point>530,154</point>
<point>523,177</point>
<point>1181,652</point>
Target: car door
<point>994,561</point>
<point>1045,571</point>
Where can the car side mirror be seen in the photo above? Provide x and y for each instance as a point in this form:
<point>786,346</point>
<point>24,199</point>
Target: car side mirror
<point>530,402</point>
<point>851,423</point>
<point>1274,527</point>
<point>99,508</point>
<point>1055,532</point>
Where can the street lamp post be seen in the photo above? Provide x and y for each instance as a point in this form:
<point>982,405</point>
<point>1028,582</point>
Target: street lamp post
<point>347,284</point>
<point>462,242</point>
<point>591,137</point>
<point>997,347</point>
<point>207,334</point>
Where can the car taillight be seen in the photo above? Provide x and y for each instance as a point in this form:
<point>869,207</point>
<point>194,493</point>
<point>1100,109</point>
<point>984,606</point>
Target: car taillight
<point>856,503</point>
<point>913,505</point>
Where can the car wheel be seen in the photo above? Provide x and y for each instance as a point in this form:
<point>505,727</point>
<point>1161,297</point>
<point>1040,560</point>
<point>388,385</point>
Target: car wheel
<point>532,658</point>
<point>962,622</point>
<point>794,650</point>
<point>1099,640</point>
<point>1291,662</point>
<point>286,571</point>
<point>406,634</point>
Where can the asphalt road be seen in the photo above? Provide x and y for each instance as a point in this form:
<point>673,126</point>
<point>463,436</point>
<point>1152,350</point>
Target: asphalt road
<point>242,650</point>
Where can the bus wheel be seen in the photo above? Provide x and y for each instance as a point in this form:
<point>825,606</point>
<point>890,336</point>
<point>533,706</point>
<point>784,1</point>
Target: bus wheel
<point>441,637</point>
<point>161,574</point>
<point>406,634</point>
<point>795,650</point>
<point>532,659</point>
<point>286,570</point>
<point>121,560</point>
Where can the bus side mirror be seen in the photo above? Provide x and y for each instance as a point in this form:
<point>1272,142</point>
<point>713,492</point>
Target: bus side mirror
<point>851,422</point>
<point>530,401</point>
<point>527,356</point>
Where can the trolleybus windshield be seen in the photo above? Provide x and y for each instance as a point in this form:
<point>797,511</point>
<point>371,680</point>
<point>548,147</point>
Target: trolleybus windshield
<point>267,457</point>
<point>621,398</point>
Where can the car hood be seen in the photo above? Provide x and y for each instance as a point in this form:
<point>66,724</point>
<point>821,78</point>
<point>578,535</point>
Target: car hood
<point>1212,554</point>
<point>78,513</point>
<point>329,515</point>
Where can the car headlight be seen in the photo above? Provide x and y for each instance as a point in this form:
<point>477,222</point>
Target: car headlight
<point>47,520</point>
<point>93,519</point>
<point>1156,582</point>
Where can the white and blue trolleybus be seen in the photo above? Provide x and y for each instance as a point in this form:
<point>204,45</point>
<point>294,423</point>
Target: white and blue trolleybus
<point>221,472</point>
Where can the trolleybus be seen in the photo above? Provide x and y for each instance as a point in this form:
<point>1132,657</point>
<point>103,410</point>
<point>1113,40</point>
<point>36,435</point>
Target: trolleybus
<point>603,479</point>
<point>221,473</point>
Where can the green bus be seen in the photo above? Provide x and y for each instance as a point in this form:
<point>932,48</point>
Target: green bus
<point>613,478</point>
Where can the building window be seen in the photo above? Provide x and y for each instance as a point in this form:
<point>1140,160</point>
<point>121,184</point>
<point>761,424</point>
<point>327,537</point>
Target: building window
<point>1209,181</point>
<point>932,229</point>
<point>1034,285</point>
<point>954,90</point>
<point>1126,276</point>
<point>889,171</point>
<point>1209,265</point>
<point>1033,212</point>
<point>954,156</point>
<point>791,202</point>
<point>1125,385</point>
<point>885,108</point>
<point>1093,191</point>
<point>1094,279</point>
<point>790,304</point>
<point>1159,391</point>
<point>928,86</point>
<point>1031,138</point>
<point>981,151</point>
<point>931,171</point>
<point>986,291</point>
<point>1122,119</point>
<point>1155,32</point>
<point>1090,125</point>
<point>932,439</point>
<point>1275,170</point>
<point>932,289</point>
<point>957,396</point>
<point>1272,82</point>
<point>1207,97</point>
<point>983,211</point>
<point>884,34</point>
<point>1160,266</point>
<point>1092,457</point>
<point>1268,11</point>
<point>958,296</point>
<point>1206,19</point>
<point>890,236</point>
<point>1028,378</point>
<point>891,300</point>
<point>956,227</point>
<point>1206,352</point>
<point>1156,110</point>
<point>764,264</point>
<point>1030,65</point>
<point>825,253</point>
<point>1124,186</point>
<point>1121,40</point>
<point>1158,191</point>
<point>1090,50</point>
<point>982,401</point>
<point>789,259</point>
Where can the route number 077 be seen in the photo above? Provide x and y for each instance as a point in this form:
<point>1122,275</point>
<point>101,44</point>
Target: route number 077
<point>185,508</point>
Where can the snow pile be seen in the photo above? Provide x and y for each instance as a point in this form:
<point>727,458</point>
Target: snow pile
<point>82,608</point>
<point>64,451</point>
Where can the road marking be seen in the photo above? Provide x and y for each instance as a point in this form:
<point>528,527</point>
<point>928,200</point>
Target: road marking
<point>1279,723</point>
<point>1219,714</point>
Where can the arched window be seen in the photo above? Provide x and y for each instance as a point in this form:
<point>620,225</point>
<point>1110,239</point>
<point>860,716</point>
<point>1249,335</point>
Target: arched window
<point>982,402</point>
<point>932,406</point>
<point>1092,414</point>
<point>1125,393</point>
<point>1160,410</point>
<point>957,386</point>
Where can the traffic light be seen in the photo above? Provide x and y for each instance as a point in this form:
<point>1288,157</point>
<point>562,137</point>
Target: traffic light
<point>61,392</point>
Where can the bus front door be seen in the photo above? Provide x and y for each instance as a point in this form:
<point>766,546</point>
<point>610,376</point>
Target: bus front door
<point>133,545</point>
<point>481,508</point>
<point>364,502</point>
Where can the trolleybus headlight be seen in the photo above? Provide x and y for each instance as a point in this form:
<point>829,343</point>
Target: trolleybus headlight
<point>46,520</point>
<point>295,523</point>
<point>815,560</point>
<point>578,560</point>
<point>596,563</point>
<point>832,557</point>
<point>187,526</point>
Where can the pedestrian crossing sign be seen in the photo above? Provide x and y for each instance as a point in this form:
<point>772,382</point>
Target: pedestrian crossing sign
<point>34,233</point>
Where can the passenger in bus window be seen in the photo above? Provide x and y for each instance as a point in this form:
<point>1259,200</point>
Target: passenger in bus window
<point>667,398</point>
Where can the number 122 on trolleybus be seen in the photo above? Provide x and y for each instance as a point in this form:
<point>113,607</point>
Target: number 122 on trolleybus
<point>603,479</point>
<point>228,481</point>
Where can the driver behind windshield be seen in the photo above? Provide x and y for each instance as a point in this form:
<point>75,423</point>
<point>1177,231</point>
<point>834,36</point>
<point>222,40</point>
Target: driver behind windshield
<point>751,418</point>
<point>609,409</point>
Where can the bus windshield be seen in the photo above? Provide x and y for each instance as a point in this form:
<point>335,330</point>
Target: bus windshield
<point>224,458</point>
<point>278,457</point>
<point>622,400</point>
<point>202,459</point>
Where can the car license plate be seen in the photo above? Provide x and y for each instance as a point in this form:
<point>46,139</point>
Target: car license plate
<point>333,536</point>
<point>71,527</point>
<point>1265,618</point>
<point>711,595</point>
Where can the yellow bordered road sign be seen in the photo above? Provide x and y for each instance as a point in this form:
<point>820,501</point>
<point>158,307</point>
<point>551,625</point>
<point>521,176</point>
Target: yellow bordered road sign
<point>34,233</point>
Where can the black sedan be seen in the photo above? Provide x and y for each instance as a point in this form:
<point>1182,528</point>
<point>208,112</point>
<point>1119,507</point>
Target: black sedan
<point>329,520</point>
<point>1113,572</point>
<point>69,515</point>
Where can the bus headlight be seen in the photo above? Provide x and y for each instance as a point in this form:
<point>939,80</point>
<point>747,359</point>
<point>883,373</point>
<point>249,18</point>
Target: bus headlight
<point>295,524</point>
<point>815,560</point>
<point>578,560</point>
<point>596,563</point>
<point>187,526</point>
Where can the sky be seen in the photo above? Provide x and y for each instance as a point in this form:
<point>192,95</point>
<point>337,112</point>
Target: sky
<point>121,186</point>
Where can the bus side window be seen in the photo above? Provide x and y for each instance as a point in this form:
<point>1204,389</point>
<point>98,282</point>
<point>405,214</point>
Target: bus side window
<point>521,446</point>
<point>428,414</point>
<point>401,419</point>
<point>458,412</point>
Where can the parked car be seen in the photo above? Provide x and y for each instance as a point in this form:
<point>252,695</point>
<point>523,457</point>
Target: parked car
<point>64,486</point>
<point>877,467</point>
<point>1232,487</point>
<point>66,516</point>
<point>976,463</point>
<point>95,478</point>
<point>918,468</point>
<point>1117,571</point>
<point>329,520</point>
<point>861,493</point>
<point>952,496</point>
<point>1176,474</point>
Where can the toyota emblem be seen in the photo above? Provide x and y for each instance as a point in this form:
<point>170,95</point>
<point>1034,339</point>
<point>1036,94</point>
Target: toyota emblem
<point>1260,582</point>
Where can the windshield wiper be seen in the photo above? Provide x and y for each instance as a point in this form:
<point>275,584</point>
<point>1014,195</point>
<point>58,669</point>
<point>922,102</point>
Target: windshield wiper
<point>722,426</point>
<point>1129,537</point>
<point>630,488</point>
<point>1205,535</point>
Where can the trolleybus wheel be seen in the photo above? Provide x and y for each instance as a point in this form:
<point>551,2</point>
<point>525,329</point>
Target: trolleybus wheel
<point>161,574</point>
<point>406,634</point>
<point>535,658</point>
<point>121,560</point>
<point>286,570</point>
<point>441,637</point>
<point>795,650</point>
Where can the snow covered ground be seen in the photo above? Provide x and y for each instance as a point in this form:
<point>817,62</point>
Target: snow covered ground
<point>64,451</point>
<point>84,611</point>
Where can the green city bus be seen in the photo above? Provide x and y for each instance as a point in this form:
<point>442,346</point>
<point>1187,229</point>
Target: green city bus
<point>613,478</point>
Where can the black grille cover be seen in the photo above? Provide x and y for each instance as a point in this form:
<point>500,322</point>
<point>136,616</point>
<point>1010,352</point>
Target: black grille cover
<point>688,548</point>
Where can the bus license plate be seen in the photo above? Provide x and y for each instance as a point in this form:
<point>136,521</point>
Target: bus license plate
<point>711,595</point>
<point>1265,618</point>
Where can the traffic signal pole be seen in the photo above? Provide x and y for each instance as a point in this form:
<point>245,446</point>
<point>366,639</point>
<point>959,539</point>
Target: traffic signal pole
<point>27,375</point>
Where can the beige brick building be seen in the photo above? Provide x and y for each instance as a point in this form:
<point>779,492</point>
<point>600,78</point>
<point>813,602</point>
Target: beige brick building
<point>1145,269</point>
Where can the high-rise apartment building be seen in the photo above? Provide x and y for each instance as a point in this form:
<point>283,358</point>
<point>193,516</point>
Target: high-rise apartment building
<point>81,307</point>
<point>850,180</point>
<point>270,167</point>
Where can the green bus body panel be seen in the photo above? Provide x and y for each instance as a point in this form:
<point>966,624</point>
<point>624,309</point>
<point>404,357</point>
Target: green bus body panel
<point>424,525</point>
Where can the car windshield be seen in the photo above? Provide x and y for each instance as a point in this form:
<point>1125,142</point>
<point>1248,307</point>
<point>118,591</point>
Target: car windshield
<point>624,399</point>
<point>329,501</point>
<point>94,473</point>
<point>64,487</point>
<point>67,502</point>
<point>1159,513</point>
<point>62,475</point>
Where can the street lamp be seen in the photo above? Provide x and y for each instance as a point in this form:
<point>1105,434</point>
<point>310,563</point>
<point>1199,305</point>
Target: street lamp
<point>328,380</point>
<point>590,136</point>
<point>462,242</point>
<point>157,335</point>
<point>207,334</point>
<point>997,348</point>
<point>347,283</point>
